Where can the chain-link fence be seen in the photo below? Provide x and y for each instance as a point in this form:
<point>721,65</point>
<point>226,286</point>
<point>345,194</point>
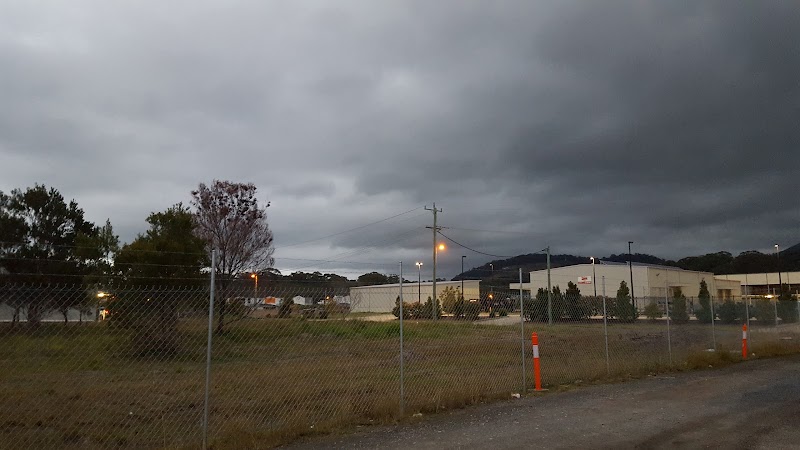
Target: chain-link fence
<point>129,366</point>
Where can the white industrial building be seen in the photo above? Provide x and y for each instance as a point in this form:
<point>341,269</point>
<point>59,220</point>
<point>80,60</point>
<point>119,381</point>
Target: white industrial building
<point>649,281</point>
<point>763,284</point>
<point>381,298</point>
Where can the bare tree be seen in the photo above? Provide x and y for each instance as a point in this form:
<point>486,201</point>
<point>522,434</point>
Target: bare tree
<point>228,218</point>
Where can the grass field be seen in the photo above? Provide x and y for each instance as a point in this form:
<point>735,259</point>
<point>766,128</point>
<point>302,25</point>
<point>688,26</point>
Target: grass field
<point>274,380</point>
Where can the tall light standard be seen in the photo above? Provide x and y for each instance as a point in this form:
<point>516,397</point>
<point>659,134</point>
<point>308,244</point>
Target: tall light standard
<point>630,265</point>
<point>462,277</point>
<point>778,258</point>
<point>419,282</point>
<point>434,300</point>
<point>594,279</point>
<point>254,276</point>
<point>491,288</point>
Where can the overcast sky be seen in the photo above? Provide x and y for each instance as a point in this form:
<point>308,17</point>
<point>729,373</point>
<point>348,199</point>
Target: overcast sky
<point>574,124</point>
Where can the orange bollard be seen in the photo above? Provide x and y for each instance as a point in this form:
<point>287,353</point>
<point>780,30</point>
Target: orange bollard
<point>537,374</point>
<point>744,341</point>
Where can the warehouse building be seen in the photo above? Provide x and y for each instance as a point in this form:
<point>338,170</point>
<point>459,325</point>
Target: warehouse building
<point>649,281</point>
<point>764,284</point>
<point>381,298</point>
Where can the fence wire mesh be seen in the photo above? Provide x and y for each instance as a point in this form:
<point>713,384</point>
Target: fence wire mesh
<point>127,366</point>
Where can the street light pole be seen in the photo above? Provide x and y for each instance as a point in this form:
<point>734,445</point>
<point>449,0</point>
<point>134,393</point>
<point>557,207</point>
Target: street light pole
<point>462,277</point>
<point>594,279</point>
<point>491,288</point>
<point>419,282</point>
<point>778,258</point>
<point>434,300</point>
<point>254,276</point>
<point>435,229</point>
<point>630,265</point>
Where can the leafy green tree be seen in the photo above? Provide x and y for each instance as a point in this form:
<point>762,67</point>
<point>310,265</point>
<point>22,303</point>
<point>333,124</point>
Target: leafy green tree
<point>536,308</point>
<point>652,311</point>
<point>764,311</point>
<point>448,298</point>
<point>728,312</point>
<point>787,306</point>
<point>678,312</point>
<point>472,310</point>
<point>704,313</point>
<point>166,257</point>
<point>229,219</point>
<point>167,254</point>
<point>406,309</point>
<point>41,233</point>
<point>285,310</point>
<point>558,305</point>
<point>376,278</point>
<point>623,305</point>
<point>577,308</point>
<point>427,309</point>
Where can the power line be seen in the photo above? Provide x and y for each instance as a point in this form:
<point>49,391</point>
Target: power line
<point>472,249</point>
<point>350,230</point>
<point>491,231</point>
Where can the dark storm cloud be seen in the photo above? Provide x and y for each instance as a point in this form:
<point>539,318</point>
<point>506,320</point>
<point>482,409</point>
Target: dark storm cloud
<point>579,125</point>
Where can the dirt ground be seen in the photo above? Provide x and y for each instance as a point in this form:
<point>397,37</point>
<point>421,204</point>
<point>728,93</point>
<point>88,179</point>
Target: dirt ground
<point>749,405</point>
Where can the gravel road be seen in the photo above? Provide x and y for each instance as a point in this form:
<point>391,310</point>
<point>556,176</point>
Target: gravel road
<point>755,404</point>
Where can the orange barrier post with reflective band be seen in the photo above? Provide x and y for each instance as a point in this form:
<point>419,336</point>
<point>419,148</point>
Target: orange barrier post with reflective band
<point>537,374</point>
<point>744,341</point>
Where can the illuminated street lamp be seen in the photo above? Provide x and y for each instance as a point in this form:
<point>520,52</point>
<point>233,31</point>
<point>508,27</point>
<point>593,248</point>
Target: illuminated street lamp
<point>254,276</point>
<point>434,300</point>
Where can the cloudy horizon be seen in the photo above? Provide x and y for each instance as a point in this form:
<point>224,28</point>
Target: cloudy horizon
<point>579,126</point>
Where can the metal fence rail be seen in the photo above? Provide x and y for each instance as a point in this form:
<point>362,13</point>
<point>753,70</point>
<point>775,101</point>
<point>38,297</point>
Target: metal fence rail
<point>129,367</point>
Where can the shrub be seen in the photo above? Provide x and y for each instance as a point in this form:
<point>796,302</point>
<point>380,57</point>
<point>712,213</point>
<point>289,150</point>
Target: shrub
<point>449,298</point>
<point>742,311</point>
<point>576,306</point>
<point>624,308</point>
<point>457,309</point>
<point>764,311</point>
<point>153,321</point>
<point>415,311</point>
<point>535,308</point>
<point>704,313</point>
<point>285,310</point>
<point>502,312</point>
<point>427,310</point>
<point>472,310</point>
<point>652,311</point>
<point>787,307</point>
<point>406,309</point>
<point>678,313</point>
<point>728,312</point>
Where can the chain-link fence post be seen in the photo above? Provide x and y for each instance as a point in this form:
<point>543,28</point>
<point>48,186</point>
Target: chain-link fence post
<point>522,331</point>
<point>666,310</point>
<point>208,347</point>
<point>605,326</point>
<point>402,383</point>
<point>713,331</point>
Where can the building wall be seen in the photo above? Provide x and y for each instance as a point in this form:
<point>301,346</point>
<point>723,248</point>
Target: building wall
<point>760,284</point>
<point>648,281</point>
<point>381,298</point>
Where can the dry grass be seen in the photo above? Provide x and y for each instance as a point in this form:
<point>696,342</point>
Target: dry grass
<point>276,380</point>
